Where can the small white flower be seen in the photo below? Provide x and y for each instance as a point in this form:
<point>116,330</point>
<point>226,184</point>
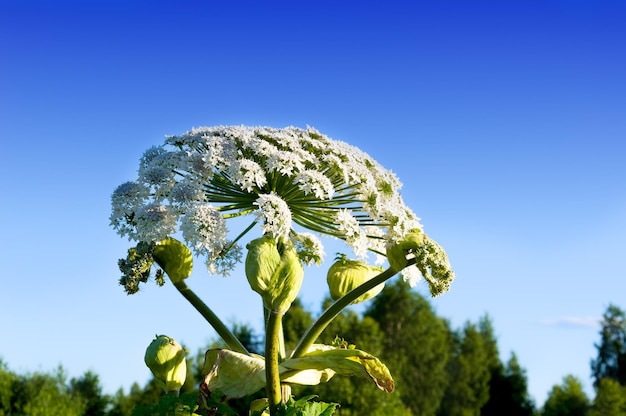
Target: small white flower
<point>154,222</point>
<point>309,248</point>
<point>284,162</point>
<point>126,199</point>
<point>275,215</point>
<point>312,181</point>
<point>348,225</point>
<point>150,155</point>
<point>186,193</point>
<point>248,174</point>
<point>411,275</point>
<point>353,233</point>
<point>226,262</point>
<point>204,228</point>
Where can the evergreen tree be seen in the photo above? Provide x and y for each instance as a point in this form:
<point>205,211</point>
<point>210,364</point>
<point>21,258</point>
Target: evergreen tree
<point>508,391</point>
<point>468,390</point>
<point>610,399</point>
<point>416,346</point>
<point>88,388</point>
<point>295,323</point>
<point>249,338</point>
<point>42,394</point>
<point>356,396</point>
<point>7,379</point>
<point>122,404</point>
<point>611,360</point>
<point>568,399</point>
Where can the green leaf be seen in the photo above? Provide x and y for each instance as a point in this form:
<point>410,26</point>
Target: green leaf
<point>170,405</point>
<point>350,362</point>
<point>318,409</point>
<point>238,375</point>
<point>234,374</point>
<point>306,407</point>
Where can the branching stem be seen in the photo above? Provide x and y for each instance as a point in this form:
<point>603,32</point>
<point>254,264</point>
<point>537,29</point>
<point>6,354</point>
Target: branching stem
<point>229,338</point>
<point>335,309</point>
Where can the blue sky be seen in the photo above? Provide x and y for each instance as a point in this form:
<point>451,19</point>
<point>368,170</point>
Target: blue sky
<point>506,122</point>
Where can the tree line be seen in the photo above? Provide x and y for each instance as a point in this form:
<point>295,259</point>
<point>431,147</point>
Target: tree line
<point>439,370</point>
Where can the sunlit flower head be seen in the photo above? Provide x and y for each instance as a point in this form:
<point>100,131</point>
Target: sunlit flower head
<point>288,180</point>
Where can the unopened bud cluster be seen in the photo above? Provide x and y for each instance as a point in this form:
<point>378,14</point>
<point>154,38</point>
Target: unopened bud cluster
<point>428,256</point>
<point>166,360</point>
<point>345,275</point>
<point>274,271</point>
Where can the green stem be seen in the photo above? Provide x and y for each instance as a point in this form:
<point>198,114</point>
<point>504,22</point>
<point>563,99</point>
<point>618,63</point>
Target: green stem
<point>284,388</point>
<point>272,351</point>
<point>229,338</point>
<point>335,309</point>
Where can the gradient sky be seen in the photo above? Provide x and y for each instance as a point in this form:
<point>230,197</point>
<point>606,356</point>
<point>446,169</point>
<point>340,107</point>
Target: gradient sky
<point>505,120</point>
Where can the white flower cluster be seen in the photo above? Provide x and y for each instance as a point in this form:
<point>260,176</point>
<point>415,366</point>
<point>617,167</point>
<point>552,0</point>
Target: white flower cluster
<point>194,182</point>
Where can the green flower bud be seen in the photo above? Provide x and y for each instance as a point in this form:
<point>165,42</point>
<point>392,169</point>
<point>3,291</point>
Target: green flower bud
<point>174,258</point>
<point>262,259</point>
<point>345,275</point>
<point>396,253</point>
<point>274,271</point>
<point>166,359</point>
<point>287,279</point>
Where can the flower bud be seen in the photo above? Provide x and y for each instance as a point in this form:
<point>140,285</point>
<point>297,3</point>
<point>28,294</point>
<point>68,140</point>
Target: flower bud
<point>287,279</point>
<point>345,275</point>
<point>274,271</point>
<point>166,359</point>
<point>174,258</point>
<point>262,259</point>
<point>396,253</point>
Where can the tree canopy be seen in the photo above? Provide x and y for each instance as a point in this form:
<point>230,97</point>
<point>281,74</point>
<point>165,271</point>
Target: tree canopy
<point>438,370</point>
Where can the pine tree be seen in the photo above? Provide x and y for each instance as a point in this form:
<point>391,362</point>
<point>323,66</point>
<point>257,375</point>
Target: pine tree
<point>468,390</point>
<point>416,346</point>
<point>611,360</point>
<point>567,399</point>
<point>610,399</point>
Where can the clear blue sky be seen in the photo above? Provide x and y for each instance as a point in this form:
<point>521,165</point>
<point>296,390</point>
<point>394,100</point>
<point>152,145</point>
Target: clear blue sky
<point>505,120</point>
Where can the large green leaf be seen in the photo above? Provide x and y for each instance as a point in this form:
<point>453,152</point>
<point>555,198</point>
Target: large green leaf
<point>239,375</point>
<point>232,373</point>
<point>349,362</point>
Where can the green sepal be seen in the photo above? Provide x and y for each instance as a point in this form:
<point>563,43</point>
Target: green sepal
<point>174,258</point>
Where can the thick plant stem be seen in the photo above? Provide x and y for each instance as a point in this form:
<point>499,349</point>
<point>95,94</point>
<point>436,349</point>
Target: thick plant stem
<point>285,388</point>
<point>272,351</point>
<point>229,338</point>
<point>335,309</point>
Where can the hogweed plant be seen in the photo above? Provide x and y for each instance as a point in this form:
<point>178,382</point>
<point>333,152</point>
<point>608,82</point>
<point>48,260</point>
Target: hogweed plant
<point>296,185</point>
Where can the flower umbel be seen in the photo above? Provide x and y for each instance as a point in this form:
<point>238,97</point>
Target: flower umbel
<point>290,178</point>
